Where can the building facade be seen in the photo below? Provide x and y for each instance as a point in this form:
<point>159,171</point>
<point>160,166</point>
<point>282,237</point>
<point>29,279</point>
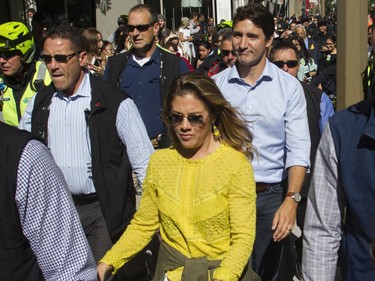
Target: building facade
<point>103,14</point>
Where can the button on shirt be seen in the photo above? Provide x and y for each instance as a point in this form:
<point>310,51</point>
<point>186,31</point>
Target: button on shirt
<point>275,108</point>
<point>69,140</point>
<point>142,83</point>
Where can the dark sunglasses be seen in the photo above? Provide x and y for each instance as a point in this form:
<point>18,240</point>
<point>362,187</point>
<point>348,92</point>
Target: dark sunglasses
<point>289,63</point>
<point>8,55</point>
<point>194,119</point>
<point>140,28</point>
<point>59,58</point>
<point>227,52</point>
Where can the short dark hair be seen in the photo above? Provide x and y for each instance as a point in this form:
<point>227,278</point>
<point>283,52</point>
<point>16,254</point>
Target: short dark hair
<point>282,46</point>
<point>225,33</point>
<point>171,44</point>
<point>68,32</point>
<point>259,15</point>
<point>145,7</point>
<point>332,37</point>
<point>193,14</point>
<point>205,44</point>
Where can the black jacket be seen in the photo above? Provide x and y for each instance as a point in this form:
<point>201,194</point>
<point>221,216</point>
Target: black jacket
<point>170,69</point>
<point>17,261</point>
<point>313,97</point>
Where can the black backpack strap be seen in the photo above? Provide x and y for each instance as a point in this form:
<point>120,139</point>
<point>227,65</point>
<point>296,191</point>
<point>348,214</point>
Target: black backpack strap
<point>40,114</point>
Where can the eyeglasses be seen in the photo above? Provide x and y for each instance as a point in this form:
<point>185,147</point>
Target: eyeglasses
<point>227,52</point>
<point>289,63</point>
<point>196,120</point>
<point>110,50</point>
<point>140,28</point>
<point>59,58</point>
<point>8,55</point>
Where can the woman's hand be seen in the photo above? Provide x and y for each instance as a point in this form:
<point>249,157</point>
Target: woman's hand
<point>97,69</point>
<point>103,268</point>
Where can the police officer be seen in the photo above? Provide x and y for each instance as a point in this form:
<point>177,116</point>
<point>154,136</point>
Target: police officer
<point>21,74</point>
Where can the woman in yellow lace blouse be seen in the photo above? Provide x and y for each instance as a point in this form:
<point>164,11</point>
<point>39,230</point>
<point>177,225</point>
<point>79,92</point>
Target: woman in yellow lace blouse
<point>199,193</point>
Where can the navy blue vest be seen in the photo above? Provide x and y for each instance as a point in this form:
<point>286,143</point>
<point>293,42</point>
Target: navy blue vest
<point>353,132</point>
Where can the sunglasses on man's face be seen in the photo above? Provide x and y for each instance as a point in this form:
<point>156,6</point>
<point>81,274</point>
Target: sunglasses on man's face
<point>59,58</point>
<point>194,119</point>
<point>289,63</point>
<point>140,28</point>
<point>226,53</point>
<point>8,55</point>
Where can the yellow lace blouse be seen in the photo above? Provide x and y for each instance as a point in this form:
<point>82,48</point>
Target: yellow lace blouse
<point>203,207</point>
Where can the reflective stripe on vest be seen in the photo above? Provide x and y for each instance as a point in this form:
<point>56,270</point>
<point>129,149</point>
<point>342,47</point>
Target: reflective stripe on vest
<point>9,105</point>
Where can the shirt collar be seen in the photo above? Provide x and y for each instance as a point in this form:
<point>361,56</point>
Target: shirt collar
<point>267,74</point>
<point>155,57</point>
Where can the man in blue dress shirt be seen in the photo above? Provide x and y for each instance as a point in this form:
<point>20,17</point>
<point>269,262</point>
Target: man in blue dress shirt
<point>274,104</point>
<point>146,71</point>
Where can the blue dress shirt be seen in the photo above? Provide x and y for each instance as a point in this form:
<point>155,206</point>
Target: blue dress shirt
<point>142,84</point>
<point>326,111</point>
<point>275,108</point>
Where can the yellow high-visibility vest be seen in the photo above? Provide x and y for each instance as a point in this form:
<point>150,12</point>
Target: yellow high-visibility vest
<point>10,114</point>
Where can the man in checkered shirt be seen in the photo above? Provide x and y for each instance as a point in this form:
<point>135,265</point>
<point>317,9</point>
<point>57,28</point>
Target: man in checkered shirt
<point>41,236</point>
<point>340,217</point>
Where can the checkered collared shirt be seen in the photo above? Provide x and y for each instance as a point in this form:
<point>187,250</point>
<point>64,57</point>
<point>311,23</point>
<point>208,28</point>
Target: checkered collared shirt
<point>49,219</point>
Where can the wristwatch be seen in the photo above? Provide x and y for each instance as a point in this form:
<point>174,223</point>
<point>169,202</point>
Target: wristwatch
<point>295,196</point>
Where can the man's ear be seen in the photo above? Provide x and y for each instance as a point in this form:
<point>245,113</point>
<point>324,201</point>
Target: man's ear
<point>83,58</point>
<point>156,28</point>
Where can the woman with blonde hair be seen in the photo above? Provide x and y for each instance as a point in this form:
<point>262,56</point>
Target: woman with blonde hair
<point>199,193</point>
<point>186,40</point>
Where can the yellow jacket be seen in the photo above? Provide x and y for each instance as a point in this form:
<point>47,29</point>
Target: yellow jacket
<point>203,207</point>
<point>10,108</point>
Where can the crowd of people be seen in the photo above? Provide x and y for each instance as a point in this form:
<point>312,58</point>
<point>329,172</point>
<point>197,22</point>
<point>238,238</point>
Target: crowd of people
<point>183,155</point>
